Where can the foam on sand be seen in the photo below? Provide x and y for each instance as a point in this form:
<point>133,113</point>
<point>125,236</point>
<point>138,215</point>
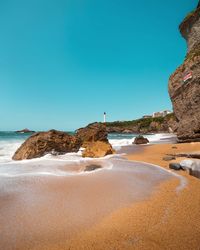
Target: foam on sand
<point>153,139</point>
<point>54,200</point>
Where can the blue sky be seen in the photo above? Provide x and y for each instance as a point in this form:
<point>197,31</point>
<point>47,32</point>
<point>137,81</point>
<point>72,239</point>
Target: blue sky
<point>64,62</point>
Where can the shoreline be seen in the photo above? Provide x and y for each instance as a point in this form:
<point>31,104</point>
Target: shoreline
<point>28,203</point>
<point>164,219</point>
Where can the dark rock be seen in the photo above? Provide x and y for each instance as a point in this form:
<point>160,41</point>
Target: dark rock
<point>140,140</point>
<point>168,158</point>
<point>189,155</point>
<point>91,133</point>
<point>91,168</point>
<point>39,144</point>
<point>175,166</point>
<point>26,130</point>
<point>184,87</point>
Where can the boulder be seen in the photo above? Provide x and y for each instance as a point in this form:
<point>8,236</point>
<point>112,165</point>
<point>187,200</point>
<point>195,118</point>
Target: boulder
<point>184,87</point>
<point>140,140</point>
<point>91,133</point>
<point>97,149</point>
<point>175,166</point>
<point>191,166</point>
<point>39,144</point>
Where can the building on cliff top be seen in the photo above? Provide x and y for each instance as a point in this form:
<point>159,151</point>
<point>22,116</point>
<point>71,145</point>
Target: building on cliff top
<point>158,114</point>
<point>161,113</point>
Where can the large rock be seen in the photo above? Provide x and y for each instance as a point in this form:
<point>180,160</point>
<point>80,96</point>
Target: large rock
<point>97,149</point>
<point>91,133</point>
<point>192,167</point>
<point>140,140</point>
<point>184,83</point>
<point>43,143</point>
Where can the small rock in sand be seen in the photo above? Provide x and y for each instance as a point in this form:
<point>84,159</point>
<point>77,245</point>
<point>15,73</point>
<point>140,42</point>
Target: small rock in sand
<point>175,166</point>
<point>91,168</point>
<point>168,158</point>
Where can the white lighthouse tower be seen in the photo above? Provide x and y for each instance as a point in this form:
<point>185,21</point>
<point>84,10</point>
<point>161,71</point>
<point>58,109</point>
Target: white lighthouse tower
<point>104,117</point>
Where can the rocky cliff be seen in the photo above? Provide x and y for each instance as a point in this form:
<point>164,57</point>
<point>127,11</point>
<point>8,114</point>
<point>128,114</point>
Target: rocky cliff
<point>184,83</point>
<point>144,125</point>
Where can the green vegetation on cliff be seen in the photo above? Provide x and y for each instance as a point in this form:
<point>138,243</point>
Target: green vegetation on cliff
<point>143,123</point>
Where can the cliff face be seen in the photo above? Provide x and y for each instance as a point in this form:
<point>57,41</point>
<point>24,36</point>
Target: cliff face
<point>184,83</point>
<point>190,29</point>
<point>148,125</point>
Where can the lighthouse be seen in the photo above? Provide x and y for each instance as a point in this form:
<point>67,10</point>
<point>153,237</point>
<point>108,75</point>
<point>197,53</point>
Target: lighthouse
<point>104,117</point>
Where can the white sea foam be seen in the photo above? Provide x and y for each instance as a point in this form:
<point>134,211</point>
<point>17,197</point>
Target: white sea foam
<point>7,149</point>
<point>153,139</point>
<point>46,164</point>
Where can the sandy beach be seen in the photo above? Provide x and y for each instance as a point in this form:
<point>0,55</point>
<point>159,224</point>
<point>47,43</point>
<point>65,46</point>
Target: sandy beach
<point>100,125</point>
<point>122,209</point>
<point>167,220</point>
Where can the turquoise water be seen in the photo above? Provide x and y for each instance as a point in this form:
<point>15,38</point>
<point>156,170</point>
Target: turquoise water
<point>10,141</point>
<point>10,135</point>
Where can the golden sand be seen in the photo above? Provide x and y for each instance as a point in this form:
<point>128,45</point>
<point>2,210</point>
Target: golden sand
<point>165,220</point>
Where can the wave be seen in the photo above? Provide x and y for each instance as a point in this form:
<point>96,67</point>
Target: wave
<point>153,139</point>
<point>7,149</point>
<point>8,146</point>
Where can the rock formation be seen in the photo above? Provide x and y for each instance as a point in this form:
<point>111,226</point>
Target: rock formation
<point>140,140</point>
<point>184,83</point>
<point>145,125</point>
<point>93,137</point>
<point>26,130</point>
<point>192,166</point>
<point>97,149</point>
<point>91,133</point>
<point>43,143</point>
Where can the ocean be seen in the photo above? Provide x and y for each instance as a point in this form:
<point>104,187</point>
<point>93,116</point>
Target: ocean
<point>10,141</point>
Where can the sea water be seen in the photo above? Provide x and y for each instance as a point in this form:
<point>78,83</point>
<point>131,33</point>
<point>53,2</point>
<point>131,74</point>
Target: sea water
<point>11,141</point>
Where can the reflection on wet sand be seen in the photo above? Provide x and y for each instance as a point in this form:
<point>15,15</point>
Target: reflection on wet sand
<point>38,208</point>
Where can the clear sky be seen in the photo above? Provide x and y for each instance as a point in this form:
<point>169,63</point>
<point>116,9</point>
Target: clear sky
<point>64,62</point>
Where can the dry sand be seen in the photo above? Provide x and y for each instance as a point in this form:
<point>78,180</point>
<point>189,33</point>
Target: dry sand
<point>164,220</point>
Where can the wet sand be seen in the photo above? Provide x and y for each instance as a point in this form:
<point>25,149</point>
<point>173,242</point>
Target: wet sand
<point>36,210</point>
<point>129,207</point>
